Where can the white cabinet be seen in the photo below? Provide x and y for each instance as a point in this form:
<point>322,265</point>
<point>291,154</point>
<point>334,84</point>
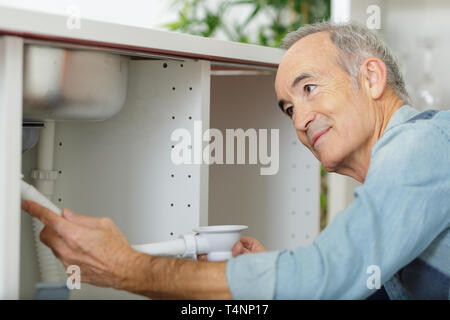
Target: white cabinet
<point>122,168</point>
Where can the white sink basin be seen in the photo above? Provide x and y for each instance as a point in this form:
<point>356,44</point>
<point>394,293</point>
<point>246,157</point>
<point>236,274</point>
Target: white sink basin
<point>67,84</point>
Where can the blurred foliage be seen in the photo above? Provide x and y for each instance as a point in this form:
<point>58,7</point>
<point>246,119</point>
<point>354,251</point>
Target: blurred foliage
<point>323,198</point>
<point>276,18</point>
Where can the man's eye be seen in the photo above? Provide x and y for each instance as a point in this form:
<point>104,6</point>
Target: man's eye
<point>290,111</point>
<point>309,88</point>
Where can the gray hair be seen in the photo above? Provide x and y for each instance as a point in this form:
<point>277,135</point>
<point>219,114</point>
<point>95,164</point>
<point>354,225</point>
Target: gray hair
<point>355,43</point>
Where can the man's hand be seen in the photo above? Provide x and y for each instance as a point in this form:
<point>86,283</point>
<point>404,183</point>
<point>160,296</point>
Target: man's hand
<point>243,246</point>
<point>95,245</point>
<point>247,245</point>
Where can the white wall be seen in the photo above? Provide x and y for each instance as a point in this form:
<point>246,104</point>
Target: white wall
<point>409,20</point>
<point>141,13</point>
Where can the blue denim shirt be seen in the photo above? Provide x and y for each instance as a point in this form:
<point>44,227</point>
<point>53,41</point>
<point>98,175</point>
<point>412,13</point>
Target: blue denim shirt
<point>397,227</point>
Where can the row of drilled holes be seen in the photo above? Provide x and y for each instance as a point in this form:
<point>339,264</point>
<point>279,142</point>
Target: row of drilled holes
<point>190,117</point>
<point>173,118</point>
<point>165,65</point>
<point>173,88</point>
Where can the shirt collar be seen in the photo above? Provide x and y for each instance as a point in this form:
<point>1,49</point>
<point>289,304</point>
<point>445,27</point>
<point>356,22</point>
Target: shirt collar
<point>401,115</point>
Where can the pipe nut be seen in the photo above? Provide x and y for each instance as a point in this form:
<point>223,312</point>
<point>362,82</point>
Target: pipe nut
<point>191,246</point>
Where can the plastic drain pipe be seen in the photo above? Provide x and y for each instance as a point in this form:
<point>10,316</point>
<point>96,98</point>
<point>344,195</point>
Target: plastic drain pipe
<point>50,269</point>
<point>187,246</point>
<point>215,241</point>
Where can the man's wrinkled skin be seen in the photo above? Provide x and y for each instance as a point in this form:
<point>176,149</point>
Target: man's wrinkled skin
<point>323,100</point>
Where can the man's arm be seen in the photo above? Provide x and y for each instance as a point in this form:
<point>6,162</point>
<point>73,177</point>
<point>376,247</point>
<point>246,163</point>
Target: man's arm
<point>170,278</point>
<point>106,259</point>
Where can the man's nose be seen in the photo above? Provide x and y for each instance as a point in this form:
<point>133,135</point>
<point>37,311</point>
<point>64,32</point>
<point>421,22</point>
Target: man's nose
<point>302,118</point>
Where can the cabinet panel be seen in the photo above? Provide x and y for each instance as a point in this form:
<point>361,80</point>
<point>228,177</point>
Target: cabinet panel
<point>281,210</point>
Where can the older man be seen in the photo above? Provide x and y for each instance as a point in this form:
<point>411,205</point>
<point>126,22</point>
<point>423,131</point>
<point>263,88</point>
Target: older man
<point>342,88</point>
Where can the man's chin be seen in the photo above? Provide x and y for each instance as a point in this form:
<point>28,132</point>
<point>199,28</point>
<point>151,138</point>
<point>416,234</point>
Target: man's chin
<point>329,165</point>
<point>328,169</point>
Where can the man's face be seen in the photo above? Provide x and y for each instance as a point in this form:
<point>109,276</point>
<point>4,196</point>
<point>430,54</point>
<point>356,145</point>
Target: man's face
<point>331,117</point>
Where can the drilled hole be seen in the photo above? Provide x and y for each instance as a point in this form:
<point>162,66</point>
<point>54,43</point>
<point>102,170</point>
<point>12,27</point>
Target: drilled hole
<point>173,88</point>
<point>171,204</point>
<point>171,233</point>
<point>164,65</point>
<point>190,117</point>
<point>190,88</point>
<point>59,199</point>
<point>181,65</point>
<point>60,172</point>
<point>60,144</point>
<point>189,205</point>
<point>172,175</point>
<point>173,117</point>
<point>189,176</point>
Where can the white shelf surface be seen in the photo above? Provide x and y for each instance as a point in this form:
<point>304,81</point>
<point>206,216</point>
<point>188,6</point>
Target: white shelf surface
<point>47,26</point>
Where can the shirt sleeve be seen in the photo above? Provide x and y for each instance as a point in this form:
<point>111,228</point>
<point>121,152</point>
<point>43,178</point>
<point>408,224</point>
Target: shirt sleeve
<point>401,208</point>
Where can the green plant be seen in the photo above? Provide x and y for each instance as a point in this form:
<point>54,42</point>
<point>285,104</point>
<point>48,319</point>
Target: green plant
<point>274,18</point>
<point>323,198</point>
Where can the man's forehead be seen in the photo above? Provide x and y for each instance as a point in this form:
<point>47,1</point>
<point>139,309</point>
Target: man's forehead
<point>311,54</point>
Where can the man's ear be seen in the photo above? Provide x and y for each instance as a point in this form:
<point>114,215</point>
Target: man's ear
<point>374,77</point>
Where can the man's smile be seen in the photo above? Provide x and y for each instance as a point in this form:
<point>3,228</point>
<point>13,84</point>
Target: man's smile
<point>319,135</point>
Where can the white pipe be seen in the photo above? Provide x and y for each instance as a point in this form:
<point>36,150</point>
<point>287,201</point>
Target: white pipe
<point>166,248</point>
<point>50,268</point>
<point>44,160</point>
<point>215,241</point>
<point>29,193</point>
